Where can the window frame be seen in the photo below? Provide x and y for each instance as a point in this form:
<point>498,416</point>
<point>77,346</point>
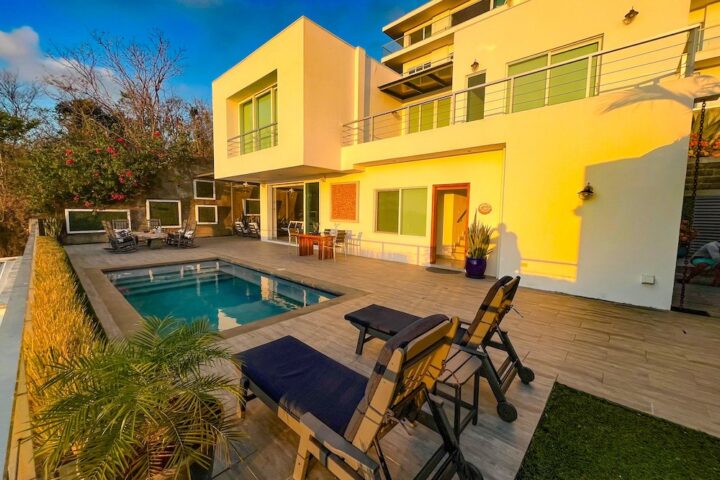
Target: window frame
<point>400,209</point>
<point>548,54</point>
<point>197,214</point>
<point>161,200</point>
<point>245,209</point>
<point>195,193</point>
<point>253,100</point>
<point>67,218</point>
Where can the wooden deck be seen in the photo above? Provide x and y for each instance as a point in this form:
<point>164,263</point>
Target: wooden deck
<point>663,363</point>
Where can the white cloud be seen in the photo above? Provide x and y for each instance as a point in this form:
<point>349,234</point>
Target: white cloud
<point>20,52</point>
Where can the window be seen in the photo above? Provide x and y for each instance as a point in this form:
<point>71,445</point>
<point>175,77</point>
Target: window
<point>402,211</point>
<point>475,98</point>
<point>167,211</point>
<point>422,117</point>
<point>258,121</point>
<point>554,85</point>
<point>206,214</point>
<point>421,34</point>
<point>204,189</point>
<point>419,68</point>
<point>90,221</point>
<point>251,205</point>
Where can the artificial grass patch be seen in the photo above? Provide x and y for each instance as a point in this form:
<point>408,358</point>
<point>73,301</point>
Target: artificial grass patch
<point>584,437</point>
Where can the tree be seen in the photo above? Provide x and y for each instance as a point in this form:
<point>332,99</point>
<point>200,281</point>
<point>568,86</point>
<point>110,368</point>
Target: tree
<point>139,407</point>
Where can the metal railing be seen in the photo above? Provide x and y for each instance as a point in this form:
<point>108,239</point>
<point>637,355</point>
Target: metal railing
<point>647,61</point>
<point>254,140</point>
<point>440,25</point>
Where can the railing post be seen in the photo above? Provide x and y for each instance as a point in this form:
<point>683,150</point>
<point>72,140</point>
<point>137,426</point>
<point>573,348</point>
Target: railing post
<point>693,46</point>
<point>372,128</point>
<point>453,112</point>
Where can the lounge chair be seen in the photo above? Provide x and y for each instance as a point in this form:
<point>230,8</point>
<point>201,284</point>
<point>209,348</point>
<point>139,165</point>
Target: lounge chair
<point>340,415</point>
<point>187,239</point>
<point>253,230</point>
<point>119,242</point>
<point>120,224</point>
<point>173,238</point>
<point>375,321</point>
<point>154,223</point>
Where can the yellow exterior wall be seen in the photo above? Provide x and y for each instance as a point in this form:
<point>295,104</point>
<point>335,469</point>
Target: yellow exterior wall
<point>483,171</point>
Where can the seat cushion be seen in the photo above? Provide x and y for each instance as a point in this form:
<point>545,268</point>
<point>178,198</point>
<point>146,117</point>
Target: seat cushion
<point>382,319</point>
<point>300,379</point>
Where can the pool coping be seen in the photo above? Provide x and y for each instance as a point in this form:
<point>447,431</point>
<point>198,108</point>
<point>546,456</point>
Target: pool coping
<point>119,318</point>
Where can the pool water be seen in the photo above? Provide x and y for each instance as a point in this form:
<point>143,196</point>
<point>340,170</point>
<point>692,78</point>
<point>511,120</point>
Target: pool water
<point>227,294</point>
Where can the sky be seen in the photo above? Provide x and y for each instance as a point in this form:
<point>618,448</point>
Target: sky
<point>214,34</point>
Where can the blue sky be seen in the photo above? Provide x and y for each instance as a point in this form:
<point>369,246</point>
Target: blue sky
<point>215,34</point>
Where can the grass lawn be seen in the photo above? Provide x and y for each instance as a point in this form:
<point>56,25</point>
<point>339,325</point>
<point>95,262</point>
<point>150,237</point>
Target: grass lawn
<point>584,437</point>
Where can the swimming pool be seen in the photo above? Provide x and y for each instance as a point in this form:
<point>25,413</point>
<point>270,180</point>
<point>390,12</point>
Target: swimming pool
<point>229,295</point>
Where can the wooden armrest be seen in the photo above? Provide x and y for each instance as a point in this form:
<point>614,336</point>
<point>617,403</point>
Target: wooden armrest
<point>338,446</point>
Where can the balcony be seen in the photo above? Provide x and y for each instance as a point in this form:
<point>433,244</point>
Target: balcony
<point>440,25</point>
<point>671,55</point>
<point>253,141</point>
<point>421,80</point>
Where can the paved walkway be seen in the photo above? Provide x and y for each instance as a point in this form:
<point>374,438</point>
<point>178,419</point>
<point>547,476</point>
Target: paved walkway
<point>663,363</point>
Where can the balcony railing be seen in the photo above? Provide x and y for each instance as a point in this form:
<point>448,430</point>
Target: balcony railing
<point>644,62</point>
<point>254,140</point>
<point>440,25</point>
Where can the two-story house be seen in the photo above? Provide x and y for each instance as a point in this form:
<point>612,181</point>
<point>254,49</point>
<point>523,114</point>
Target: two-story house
<point>504,109</point>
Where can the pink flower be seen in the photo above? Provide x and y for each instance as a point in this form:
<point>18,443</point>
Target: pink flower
<point>97,150</point>
<point>76,198</point>
<point>111,150</point>
<point>120,140</point>
<point>156,134</point>
<point>69,162</point>
<point>68,152</point>
<point>87,203</point>
<point>128,173</point>
<point>122,179</point>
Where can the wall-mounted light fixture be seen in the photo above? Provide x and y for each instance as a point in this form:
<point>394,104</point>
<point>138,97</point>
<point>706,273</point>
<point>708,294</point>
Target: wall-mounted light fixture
<point>587,192</point>
<point>630,16</point>
<point>474,65</point>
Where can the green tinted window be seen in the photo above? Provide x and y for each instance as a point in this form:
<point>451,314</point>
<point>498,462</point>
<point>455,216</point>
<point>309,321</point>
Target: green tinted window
<point>252,207</point>
<point>246,120</point>
<point>528,91</point>
<point>414,119</point>
<point>414,211</point>
<point>91,221</point>
<point>570,82</point>
<point>204,189</point>
<point>443,112</point>
<point>167,212</point>
<point>264,118</point>
<point>206,214</point>
<point>388,204</point>
<point>426,115</point>
<point>476,98</point>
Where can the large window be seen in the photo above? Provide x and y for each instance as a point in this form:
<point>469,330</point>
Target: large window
<point>554,85</point>
<point>429,115</point>
<point>251,205</point>
<point>258,121</point>
<point>206,214</point>
<point>167,211</point>
<point>402,211</point>
<point>90,221</point>
<point>204,189</point>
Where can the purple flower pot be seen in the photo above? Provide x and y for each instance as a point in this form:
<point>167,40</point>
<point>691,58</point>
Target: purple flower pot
<point>475,267</point>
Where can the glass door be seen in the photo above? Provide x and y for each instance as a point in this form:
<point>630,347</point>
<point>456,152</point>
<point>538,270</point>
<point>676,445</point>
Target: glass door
<point>312,207</point>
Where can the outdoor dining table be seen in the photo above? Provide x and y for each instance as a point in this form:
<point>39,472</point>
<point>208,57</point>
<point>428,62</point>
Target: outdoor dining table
<point>307,241</point>
<point>154,240</point>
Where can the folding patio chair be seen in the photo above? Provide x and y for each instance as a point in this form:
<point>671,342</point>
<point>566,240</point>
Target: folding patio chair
<point>376,321</point>
<point>340,415</point>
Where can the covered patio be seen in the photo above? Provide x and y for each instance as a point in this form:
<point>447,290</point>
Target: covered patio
<point>662,363</point>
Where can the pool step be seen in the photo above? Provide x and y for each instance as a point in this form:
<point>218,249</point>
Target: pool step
<point>143,277</point>
<point>167,283</point>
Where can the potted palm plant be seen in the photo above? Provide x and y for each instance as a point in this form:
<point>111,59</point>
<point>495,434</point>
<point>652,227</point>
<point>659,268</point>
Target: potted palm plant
<point>139,408</point>
<point>478,249</point>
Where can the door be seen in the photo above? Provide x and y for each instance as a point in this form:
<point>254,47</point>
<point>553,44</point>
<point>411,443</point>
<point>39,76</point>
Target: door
<point>450,209</point>
<point>312,207</point>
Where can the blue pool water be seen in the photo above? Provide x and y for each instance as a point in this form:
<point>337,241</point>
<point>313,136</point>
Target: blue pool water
<point>227,294</point>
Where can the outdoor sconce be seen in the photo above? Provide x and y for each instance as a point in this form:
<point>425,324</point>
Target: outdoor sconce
<point>474,65</point>
<point>587,192</point>
<point>630,16</point>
